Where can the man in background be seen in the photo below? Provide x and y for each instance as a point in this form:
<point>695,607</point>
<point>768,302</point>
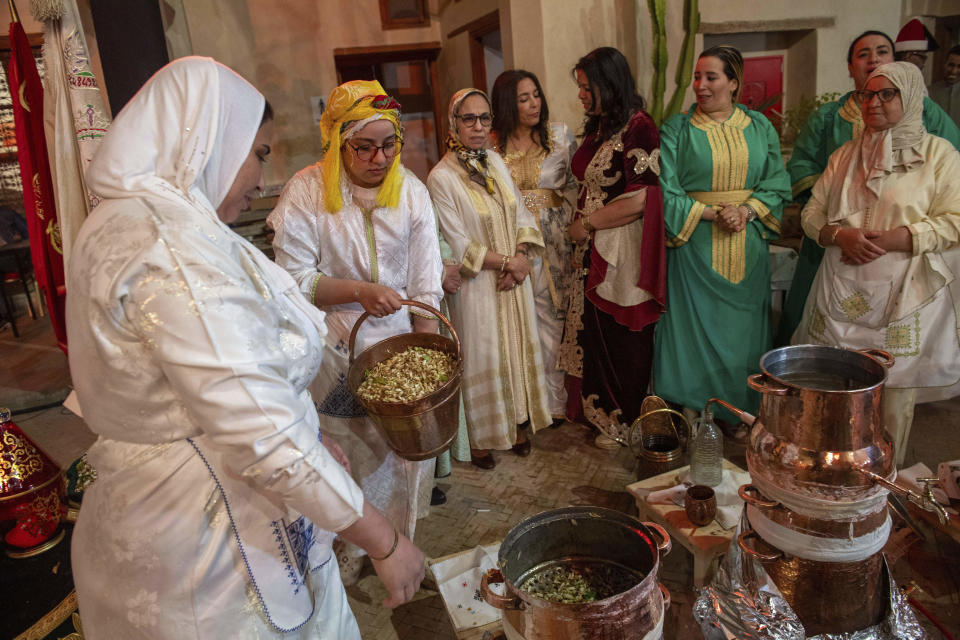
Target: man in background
<point>946,92</point>
<point>914,43</point>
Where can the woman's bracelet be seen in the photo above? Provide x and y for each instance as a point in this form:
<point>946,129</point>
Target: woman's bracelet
<point>503,264</point>
<point>833,236</point>
<point>396,541</point>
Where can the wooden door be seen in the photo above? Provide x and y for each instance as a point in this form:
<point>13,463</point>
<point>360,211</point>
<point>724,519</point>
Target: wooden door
<point>763,85</point>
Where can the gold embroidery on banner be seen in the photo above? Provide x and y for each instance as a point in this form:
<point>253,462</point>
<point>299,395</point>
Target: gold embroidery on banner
<point>21,462</point>
<point>53,230</point>
<point>855,306</point>
<point>645,160</point>
<point>23,98</point>
<point>38,197</point>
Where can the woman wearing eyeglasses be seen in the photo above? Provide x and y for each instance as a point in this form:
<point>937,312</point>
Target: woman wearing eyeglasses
<point>887,212</point>
<point>493,235</point>
<point>357,232</point>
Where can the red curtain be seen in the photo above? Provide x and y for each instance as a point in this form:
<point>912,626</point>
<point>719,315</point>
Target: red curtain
<point>46,248</point>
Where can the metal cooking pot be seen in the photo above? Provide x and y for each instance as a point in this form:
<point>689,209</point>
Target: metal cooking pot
<point>820,426</point>
<point>424,428</point>
<point>579,536</point>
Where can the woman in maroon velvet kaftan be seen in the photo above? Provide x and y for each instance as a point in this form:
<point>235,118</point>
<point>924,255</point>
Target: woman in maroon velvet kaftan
<point>620,254</point>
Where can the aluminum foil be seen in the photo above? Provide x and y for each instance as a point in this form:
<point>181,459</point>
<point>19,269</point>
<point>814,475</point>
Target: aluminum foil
<point>742,602</point>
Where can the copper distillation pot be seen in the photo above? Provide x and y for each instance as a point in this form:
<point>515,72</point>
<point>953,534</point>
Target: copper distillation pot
<point>821,465</point>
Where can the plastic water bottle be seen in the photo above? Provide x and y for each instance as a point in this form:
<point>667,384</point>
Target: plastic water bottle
<point>706,459</point>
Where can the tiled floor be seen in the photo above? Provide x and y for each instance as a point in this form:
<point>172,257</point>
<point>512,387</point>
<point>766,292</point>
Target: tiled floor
<point>563,469</point>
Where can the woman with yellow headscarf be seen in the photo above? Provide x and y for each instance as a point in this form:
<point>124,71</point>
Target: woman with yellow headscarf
<point>357,232</point>
<point>493,236</point>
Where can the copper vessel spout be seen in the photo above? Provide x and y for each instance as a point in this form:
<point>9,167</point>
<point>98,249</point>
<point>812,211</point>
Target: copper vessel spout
<point>926,501</point>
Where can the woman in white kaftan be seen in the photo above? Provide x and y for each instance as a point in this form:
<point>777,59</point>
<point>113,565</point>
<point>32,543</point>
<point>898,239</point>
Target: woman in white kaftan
<point>538,153</point>
<point>216,503</point>
<point>887,209</point>
<point>483,219</point>
<point>394,247</point>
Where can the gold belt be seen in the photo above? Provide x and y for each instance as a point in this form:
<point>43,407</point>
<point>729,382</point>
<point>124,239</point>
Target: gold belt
<point>536,199</point>
<point>728,250</point>
<point>713,198</point>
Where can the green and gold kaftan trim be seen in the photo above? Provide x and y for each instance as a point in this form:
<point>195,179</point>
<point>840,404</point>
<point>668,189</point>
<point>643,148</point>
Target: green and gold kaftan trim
<point>805,183</point>
<point>729,258</point>
<point>693,218</point>
<point>731,162</point>
<point>472,262</point>
<point>850,111</point>
<point>763,215</point>
<point>729,253</point>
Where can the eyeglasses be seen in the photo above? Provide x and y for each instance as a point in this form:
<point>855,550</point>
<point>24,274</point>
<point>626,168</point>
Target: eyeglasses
<point>886,95</point>
<point>470,119</point>
<point>367,152</point>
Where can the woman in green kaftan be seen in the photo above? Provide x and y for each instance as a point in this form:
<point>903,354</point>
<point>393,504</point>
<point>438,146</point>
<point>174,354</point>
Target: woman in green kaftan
<point>724,186</point>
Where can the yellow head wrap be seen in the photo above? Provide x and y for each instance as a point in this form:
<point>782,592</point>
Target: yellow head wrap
<point>350,103</point>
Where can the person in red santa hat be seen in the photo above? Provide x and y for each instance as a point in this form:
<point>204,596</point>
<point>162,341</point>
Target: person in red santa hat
<point>914,43</point>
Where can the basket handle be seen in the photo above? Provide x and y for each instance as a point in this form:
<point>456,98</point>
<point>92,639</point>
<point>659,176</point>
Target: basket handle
<point>638,424</point>
<point>411,303</point>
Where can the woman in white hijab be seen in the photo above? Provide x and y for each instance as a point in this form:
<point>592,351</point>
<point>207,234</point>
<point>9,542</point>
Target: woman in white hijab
<point>215,507</point>
<point>887,209</point>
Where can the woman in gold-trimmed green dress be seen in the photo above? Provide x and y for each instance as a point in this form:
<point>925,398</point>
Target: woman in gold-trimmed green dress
<point>724,186</point>
<point>494,238</point>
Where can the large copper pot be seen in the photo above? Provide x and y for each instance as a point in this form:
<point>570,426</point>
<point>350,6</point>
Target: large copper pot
<point>578,535</point>
<point>819,427</point>
<point>828,597</point>
<point>424,428</point>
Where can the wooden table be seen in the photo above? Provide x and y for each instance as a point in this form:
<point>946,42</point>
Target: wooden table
<point>706,544</point>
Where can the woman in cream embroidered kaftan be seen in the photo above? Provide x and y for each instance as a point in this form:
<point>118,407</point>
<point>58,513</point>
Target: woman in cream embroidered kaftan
<point>724,186</point>
<point>483,219</point>
<point>618,292</point>
<point>364,242</point>
<point>887,210</point>
<point>215,506</point>
<point>538,154</point>
<point>827,129</point>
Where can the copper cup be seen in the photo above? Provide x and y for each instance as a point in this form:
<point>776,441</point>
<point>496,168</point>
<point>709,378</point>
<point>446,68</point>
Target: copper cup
<point>700,505</point>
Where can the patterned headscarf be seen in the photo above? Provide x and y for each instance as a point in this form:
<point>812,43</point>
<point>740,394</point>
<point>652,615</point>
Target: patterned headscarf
<point>352,106</point>
<point>474,161</point>
<point>879,153</point>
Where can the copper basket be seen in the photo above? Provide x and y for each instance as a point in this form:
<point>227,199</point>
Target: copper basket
<point>654,440</point>
<point>424,428</point>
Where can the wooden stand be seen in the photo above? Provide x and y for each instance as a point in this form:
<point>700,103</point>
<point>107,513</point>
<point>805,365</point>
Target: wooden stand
<point>707,544</point>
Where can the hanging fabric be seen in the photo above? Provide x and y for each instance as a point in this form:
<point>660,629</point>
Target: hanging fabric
<point>75,113</point>
<point>46,246</point>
